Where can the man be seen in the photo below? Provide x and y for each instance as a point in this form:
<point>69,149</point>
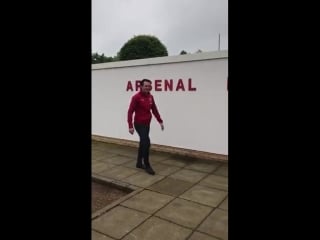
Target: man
<point>141,104</point>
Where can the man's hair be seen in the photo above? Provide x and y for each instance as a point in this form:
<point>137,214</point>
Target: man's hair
<point>144,80</point>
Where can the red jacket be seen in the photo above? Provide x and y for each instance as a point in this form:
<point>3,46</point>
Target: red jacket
<point>141,104</point>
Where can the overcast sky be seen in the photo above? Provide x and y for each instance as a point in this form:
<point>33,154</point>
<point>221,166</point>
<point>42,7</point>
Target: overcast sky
<point>179,24</point>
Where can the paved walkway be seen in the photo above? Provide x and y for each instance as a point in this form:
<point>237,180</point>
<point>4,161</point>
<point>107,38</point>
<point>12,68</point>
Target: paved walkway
<point>185,199</point>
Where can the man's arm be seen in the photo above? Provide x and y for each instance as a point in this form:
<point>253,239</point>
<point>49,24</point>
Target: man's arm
<point>156,113</point>
<point>131,109</point>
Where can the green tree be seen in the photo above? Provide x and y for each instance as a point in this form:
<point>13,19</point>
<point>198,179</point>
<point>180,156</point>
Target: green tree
<point>142,46</point>
<point>183,52</point>
<point>117,57</point>
<point>96,58</point>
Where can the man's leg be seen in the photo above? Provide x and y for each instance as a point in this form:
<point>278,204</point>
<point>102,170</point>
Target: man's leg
<point>144,146</point>
<point>139,129</point>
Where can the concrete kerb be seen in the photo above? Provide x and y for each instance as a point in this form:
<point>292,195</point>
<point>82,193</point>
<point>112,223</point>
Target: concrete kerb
<point>131,189</point>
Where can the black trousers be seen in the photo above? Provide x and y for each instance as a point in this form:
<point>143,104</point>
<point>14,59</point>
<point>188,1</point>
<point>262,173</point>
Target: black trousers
<point>144,145</point>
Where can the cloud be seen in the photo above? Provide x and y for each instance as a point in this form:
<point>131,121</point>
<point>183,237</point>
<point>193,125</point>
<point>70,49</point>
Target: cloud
<point>179,24</point>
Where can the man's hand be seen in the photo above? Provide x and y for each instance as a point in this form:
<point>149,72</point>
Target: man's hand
<point>131,130</point>
<point>162,126</point>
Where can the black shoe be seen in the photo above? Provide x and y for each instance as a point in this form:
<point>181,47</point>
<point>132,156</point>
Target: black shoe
<point>142,166</point>
<point>150,170</point>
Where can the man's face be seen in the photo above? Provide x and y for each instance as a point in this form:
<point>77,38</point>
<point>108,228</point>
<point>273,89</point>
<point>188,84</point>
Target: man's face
<point>146,87</point>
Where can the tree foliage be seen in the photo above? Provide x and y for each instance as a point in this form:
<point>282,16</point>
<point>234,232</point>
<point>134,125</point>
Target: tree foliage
<point>142,46</point>
<point>97,58</point>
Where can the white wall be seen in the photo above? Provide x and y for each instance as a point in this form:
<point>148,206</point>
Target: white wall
<point>195,120</point>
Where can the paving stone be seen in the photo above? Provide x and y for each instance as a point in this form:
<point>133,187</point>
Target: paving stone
<point>204,195</point>
<point>214,181</point>
<point>171,186</point>
<point>216,224</point>
<point>158,229</point>
<point>118,221</point>
<point>185,213</point>
<point>147,201</point>
<point>188,175</point>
